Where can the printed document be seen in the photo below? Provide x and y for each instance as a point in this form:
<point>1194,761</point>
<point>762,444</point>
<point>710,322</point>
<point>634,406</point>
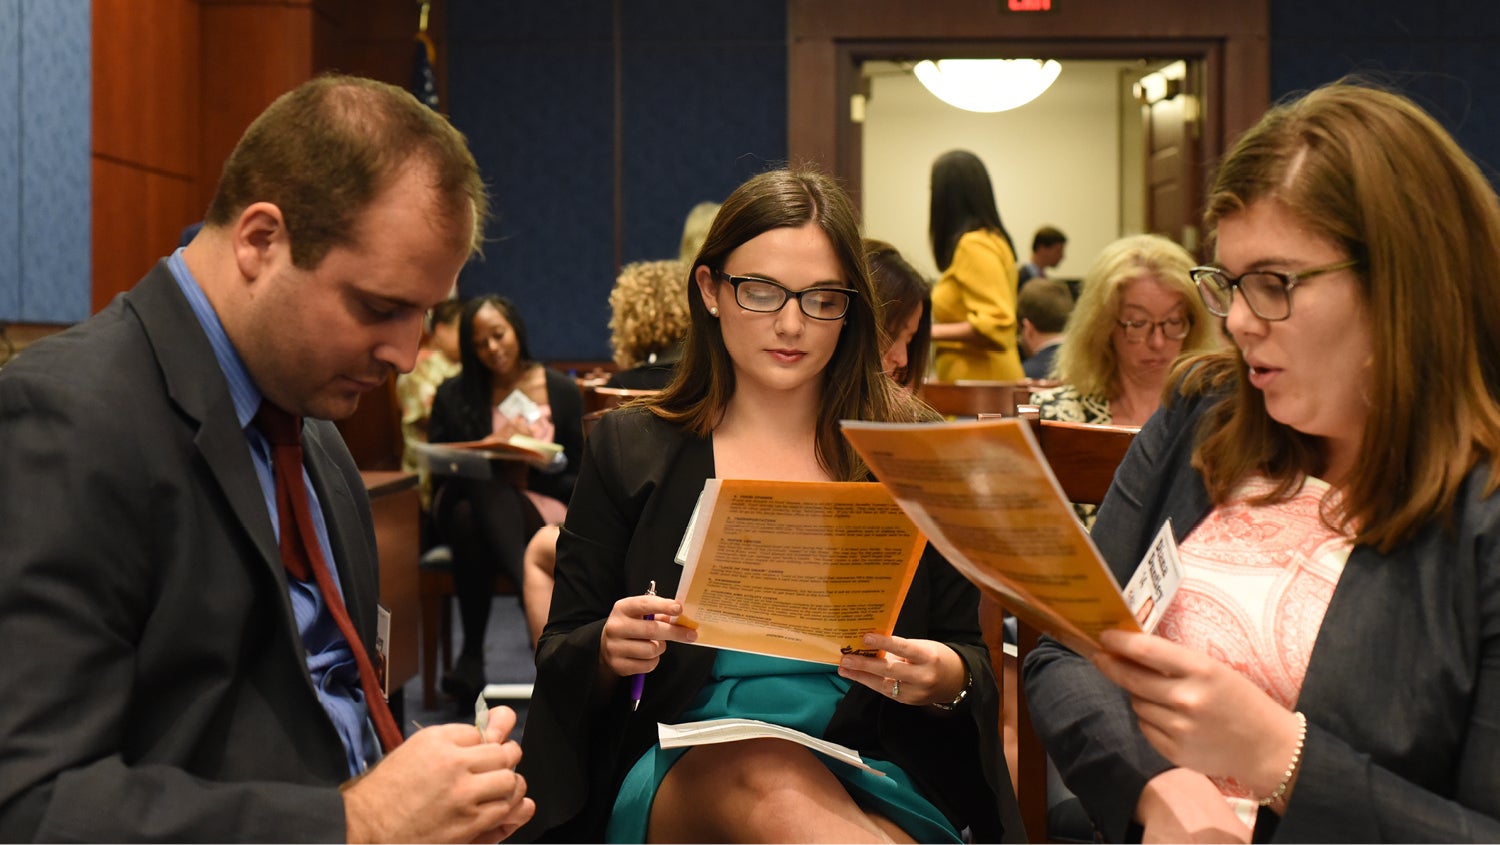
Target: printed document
<point>986,498</point>
<point>796,569</point>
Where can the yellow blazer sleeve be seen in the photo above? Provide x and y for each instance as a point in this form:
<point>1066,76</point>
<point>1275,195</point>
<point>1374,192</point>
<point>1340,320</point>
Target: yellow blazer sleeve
<point>984,271</point>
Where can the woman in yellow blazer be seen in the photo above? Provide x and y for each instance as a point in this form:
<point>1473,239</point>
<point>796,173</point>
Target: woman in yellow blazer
<point>974,301</point>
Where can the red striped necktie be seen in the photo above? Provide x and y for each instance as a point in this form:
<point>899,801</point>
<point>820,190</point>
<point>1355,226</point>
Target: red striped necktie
<point>303,557</point>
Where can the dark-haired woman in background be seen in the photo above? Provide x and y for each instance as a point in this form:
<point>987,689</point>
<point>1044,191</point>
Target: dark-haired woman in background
<point>974,302</point>
<point>906,301</point>
<point>487,522</point>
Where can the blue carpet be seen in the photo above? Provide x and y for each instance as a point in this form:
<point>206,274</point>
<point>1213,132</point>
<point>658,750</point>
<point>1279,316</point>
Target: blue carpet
<point>507,660</point>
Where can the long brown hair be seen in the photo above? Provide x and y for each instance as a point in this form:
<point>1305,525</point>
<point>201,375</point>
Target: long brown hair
<point>1374,174</point>
<point>854,386</point>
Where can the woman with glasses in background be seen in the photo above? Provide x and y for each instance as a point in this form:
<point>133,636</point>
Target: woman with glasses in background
<point>784,341</point>
<point>1329,669</point>
<point>1137,313</point>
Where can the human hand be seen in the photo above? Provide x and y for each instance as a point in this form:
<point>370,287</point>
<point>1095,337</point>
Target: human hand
<point>634,637</point>
<point>1181,805</point>
<point>1200,713</point>
<point>927,671</point>
<point>446,783</point>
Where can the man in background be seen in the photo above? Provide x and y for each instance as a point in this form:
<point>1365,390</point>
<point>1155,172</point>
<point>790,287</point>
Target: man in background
<point>1043,309</point>
<point>1048,246</point>
<point>188,572</point>
<point>437,361</point>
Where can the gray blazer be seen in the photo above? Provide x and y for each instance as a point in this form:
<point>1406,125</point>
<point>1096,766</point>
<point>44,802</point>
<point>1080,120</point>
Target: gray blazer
<point>1402,693</point>
<point>155,684</point>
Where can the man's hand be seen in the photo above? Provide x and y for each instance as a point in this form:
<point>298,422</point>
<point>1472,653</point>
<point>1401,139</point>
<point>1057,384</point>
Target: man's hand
<point>446,783</point>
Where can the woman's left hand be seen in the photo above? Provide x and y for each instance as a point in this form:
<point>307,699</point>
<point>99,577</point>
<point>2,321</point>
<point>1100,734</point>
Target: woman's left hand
<point>1200,713</point>
<point>912,671</point>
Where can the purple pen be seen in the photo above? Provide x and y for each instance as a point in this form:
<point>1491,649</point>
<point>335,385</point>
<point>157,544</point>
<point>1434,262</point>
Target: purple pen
<point>638,682</point>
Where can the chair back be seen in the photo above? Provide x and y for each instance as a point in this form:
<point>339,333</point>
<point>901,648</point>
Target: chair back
<point>970,398</point>
<point>1084,458</point>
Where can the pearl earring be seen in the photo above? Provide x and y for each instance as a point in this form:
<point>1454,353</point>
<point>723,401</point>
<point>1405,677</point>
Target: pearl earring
<point>713,310</point>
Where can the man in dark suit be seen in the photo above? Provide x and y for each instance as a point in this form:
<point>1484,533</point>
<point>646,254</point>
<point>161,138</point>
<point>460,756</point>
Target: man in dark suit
<point>166,677</point>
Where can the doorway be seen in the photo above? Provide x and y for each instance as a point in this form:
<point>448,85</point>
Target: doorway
<point>833,41</point>
<point>1098,155</point>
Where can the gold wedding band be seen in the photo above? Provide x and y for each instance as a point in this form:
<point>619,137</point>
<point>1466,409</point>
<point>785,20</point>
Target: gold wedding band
<point>895,688</point>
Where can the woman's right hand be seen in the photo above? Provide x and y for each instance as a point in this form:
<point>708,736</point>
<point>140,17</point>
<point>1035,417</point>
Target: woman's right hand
<point>1181,805</point>
<point>636,633</point>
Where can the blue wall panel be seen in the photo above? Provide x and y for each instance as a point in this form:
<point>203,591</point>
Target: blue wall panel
<point>44,160</point>
<point>705,109</point>
<point>531,84</point>
<point>703,100</point>
<point>1444,54</point>
<point>56,171</point>
<point>10,159</point>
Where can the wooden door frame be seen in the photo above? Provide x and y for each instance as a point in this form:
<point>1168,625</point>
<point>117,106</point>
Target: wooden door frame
<point>829,39</point>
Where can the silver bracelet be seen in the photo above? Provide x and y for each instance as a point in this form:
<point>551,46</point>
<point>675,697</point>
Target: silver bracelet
<point>1291,768</point>
<point>962,694</point>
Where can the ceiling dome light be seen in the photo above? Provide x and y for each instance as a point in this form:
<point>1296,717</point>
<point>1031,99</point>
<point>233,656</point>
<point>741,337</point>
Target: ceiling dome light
<point>987,85</point>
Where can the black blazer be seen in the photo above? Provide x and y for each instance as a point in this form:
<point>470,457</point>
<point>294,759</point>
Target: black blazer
<point>640,479</point>
<point>155,683</point>
<point>1402,693</point>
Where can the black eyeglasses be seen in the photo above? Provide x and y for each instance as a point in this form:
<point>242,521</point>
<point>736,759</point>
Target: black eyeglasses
<point>765,296</point>
<point>1172,328</point>
<point>1267,292</point>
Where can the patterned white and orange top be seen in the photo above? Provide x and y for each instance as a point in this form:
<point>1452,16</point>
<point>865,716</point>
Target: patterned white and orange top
<point>1257,579</point>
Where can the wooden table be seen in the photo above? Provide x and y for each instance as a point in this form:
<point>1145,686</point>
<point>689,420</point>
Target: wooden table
<point>397,511</point>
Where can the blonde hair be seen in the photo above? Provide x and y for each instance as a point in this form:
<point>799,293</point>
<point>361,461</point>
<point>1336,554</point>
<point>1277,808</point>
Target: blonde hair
<point>648,310</point>
<point>695,229</point>
<point>1375,175</point>
<point>1086,359</point>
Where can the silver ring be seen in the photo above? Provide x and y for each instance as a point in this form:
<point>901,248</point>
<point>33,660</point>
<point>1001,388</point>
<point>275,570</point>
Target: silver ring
<point>895,688</point>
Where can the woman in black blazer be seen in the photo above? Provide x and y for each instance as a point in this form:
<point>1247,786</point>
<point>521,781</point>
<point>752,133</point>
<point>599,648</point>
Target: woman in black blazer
<point>784,342</point>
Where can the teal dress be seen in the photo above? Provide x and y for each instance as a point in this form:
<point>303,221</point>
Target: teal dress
<point>795,694</point>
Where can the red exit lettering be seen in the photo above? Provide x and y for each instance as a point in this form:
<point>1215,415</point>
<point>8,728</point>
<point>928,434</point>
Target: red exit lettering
<point>1030,5</point>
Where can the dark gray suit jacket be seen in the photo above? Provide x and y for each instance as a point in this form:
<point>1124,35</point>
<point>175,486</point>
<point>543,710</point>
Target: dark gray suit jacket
<point>155,684</point>
<point>1402,693</point>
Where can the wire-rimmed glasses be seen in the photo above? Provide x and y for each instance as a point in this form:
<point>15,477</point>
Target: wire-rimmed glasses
<point>1172,328</point>
<point>765,296</point>
<point>1267,292</point>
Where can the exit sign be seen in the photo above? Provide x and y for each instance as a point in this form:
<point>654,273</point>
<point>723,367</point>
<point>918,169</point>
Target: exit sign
<point>1029,5</point>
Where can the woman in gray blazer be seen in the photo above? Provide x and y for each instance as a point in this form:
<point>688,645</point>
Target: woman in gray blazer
<point>1330,667</point>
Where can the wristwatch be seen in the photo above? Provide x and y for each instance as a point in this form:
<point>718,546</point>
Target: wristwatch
<point>962,694</point>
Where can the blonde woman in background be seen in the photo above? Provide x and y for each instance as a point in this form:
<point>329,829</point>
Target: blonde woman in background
<point>648,318</point>
<point>1137,313</point>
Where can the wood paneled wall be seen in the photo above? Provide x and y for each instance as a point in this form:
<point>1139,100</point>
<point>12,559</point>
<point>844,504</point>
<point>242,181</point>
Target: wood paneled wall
<point>177,81</point>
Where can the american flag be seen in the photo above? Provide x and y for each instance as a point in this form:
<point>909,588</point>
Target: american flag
<point>423,83</point>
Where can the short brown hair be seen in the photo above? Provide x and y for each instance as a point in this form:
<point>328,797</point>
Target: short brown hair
<point>325,150</point>
<point>1046,303</point>
<point>1372,173</point>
